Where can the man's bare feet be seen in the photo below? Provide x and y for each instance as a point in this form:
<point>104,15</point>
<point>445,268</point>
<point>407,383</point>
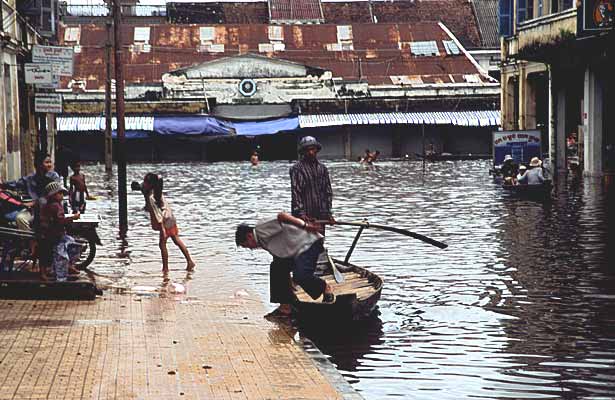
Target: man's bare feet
<point>73,271</point>
<point>190,266</point>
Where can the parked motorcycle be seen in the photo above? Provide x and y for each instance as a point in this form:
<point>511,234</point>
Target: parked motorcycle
<point>84,232</point>
<point>16,245</point>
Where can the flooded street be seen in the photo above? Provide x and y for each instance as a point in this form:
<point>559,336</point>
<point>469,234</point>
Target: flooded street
<point>520,305</point>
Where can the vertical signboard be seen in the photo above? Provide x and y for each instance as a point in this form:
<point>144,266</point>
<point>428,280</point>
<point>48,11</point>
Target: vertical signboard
<point>521,145</point>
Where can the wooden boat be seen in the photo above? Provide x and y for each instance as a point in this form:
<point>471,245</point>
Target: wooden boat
<point>357,290</point>
<point>355,298</point>
<point>541,191</point>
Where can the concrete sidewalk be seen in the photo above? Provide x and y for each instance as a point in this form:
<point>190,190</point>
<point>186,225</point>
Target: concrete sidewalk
<point>174,346</point>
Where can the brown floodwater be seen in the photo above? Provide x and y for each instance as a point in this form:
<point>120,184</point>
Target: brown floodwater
<point>521,305</point>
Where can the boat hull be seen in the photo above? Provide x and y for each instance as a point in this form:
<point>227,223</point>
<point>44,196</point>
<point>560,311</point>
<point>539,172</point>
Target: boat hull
<point>542,191</point>
<point>356,298</point>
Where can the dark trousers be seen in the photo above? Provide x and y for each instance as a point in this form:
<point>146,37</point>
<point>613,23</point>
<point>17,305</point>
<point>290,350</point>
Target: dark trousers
<point>303,267</point>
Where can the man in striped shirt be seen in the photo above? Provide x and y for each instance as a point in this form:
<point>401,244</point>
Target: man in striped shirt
<point>311,194</point>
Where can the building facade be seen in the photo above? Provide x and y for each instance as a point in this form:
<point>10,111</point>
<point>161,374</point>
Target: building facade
<point>257,61</point>
<point>557,63</point>
<point>22,24</point>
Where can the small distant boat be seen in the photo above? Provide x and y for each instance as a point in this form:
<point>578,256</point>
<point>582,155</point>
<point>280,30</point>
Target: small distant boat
<point>538,191</point>
<point>355,298</point>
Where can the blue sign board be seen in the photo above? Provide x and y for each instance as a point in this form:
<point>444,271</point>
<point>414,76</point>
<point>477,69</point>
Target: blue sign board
<point>521,145</point>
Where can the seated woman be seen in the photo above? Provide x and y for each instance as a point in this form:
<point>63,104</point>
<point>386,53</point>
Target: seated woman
<point>33,185</point>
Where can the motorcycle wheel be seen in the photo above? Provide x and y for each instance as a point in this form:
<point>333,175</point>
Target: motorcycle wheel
<point>88,252</point>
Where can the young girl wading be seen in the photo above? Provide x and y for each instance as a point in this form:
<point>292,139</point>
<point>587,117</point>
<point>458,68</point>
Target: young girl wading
<point>162,219</point>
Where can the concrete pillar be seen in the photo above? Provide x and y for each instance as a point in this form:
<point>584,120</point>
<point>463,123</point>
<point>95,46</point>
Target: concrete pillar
<point>560,130</point>
<point>551,129</point>
<point>3,133</point>
<point>522,95</point>
<point>592,123</point>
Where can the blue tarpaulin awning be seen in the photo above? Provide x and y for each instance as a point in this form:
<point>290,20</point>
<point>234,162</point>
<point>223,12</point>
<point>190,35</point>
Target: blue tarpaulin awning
<point>192,125</point>
<point>266,127</point>
<point>132,134</point>
<point>205,125</point>
<point>180,125</point>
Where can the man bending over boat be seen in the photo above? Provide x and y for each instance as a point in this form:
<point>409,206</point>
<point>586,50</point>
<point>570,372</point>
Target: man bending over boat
<point>295,245</point>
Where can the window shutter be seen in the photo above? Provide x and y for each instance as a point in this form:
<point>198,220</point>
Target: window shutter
<point>506,17</point>
<point>521,10</point>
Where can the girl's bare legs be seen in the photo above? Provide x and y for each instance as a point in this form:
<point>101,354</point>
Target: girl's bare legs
<point>162,243</point>
<point>190,266</point>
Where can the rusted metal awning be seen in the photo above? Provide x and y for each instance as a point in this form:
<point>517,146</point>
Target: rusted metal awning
<point>458,118</point>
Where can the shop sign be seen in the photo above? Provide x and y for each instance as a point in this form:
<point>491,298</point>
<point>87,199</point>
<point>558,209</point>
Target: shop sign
<point>598,15</point>
<point>48,103</point>
<point>521,145</point>
<point>61,58</point>
<point>37,74</point>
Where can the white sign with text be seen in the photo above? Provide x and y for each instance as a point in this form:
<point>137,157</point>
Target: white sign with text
<point>61,58</point>
<point>48,103</point>
<point>38,74</point>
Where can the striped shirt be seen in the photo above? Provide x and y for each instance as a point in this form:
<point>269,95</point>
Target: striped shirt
<point>311,193</point>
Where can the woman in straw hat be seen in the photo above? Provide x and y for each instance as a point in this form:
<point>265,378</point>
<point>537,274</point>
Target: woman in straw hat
<point>533,176</point>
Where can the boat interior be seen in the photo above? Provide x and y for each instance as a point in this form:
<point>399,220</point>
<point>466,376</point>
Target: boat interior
<point>356,281</point>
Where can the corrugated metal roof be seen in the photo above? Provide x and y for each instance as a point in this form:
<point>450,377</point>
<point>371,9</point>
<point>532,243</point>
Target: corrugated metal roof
<point>487,16</point>
<point>456,14</point>
<point>458,118</point>
<point>295,10</point>
<point>379,52</point>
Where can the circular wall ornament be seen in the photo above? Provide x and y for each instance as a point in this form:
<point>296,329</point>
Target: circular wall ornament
<point>247,87</point>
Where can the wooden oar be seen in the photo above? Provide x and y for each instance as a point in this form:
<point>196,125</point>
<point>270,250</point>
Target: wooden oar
<point>339,278</point>
<point>406,232</point>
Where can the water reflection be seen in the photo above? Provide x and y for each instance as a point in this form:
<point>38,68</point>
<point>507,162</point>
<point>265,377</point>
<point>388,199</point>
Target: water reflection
<point>519,305</point>
<point>346,345</point>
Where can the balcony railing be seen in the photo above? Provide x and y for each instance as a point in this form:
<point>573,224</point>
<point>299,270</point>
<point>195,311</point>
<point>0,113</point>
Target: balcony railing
<point>100,9</point>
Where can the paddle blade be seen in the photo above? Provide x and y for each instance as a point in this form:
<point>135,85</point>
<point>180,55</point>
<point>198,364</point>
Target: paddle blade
<point>339,278</point>
<point>418,236</point>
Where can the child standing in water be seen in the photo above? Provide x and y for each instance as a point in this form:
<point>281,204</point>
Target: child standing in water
<point>162,219</point>
<point>78,190</point>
